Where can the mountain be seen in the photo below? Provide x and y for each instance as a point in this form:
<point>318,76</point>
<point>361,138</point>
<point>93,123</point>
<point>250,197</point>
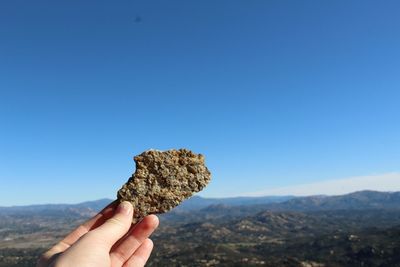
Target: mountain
<point>81,209</point>
<point>197,202</point>
<point>353,201</point>
<point>194,203</point>
<point>357,229</point>
<point>282,238</point>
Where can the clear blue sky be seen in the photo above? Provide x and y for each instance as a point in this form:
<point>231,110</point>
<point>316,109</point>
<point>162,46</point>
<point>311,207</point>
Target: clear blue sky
<point>274,93</point>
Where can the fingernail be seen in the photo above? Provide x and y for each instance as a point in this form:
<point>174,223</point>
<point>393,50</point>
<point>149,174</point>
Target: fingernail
<point>124,208</point>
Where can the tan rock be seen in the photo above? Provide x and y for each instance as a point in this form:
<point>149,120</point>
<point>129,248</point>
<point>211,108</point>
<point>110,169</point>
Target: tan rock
<point>162,180</point>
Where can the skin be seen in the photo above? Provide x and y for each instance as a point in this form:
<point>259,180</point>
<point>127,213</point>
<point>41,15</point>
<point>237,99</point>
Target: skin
<point>107,239</point>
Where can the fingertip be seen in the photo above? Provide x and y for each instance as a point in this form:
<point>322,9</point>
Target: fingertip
<point>148,243</point>
<point>125,208</point>
<point>153,220</point>
<point>148,224</point>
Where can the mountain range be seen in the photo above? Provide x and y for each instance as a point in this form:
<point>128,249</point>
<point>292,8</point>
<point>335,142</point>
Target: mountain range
<point>357,229</point>
<point>357,200</point>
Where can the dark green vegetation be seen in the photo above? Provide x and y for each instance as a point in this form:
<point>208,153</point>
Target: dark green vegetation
<point>359,229</point>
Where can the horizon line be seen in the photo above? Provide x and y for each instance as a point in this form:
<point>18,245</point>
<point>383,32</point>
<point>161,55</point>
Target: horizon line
<point>242,196</point>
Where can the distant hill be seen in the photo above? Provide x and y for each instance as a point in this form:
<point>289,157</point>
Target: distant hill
<point>244,205</point>
<point>196,202</point>
<point>353,201</point>
<point>87,208</point>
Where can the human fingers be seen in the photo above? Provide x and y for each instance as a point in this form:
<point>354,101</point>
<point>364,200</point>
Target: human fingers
<point>115,227</point>
<point>91,224</point>
<point>141,255</point>
<point>126,247</point>
<point>72,237</point>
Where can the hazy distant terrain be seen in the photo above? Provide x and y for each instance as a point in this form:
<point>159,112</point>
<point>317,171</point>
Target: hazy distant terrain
<point>358,229</point>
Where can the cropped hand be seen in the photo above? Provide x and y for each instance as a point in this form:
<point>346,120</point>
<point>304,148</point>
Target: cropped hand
<point>108,239</point>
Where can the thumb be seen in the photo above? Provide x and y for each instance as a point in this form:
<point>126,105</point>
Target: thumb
<point>117,226</point>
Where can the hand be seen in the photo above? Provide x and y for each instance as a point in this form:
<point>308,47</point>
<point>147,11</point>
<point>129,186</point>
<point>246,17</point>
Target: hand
<point>108,239</point>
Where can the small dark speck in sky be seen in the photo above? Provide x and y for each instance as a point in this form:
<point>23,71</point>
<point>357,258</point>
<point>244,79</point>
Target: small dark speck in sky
<point>138,19</point>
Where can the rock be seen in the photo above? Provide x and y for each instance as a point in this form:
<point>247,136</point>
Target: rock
<point>162,180</point>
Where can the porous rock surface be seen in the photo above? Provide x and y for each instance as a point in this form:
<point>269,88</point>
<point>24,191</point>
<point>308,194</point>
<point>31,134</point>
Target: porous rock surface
<point>162,180</point>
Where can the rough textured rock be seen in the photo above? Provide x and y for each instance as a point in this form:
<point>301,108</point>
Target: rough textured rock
<point>162,180</point>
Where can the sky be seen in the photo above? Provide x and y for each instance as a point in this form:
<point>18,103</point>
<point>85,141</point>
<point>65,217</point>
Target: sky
<point>278,95</point>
